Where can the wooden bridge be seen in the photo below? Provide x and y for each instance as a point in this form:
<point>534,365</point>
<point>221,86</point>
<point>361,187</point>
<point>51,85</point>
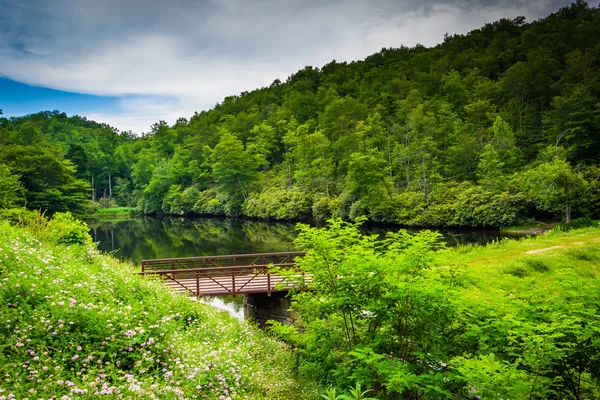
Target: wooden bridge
<point>222,275</point>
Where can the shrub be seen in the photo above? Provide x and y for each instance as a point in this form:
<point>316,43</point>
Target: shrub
<point>279,203</point>
<point>210,202</point>
<point>323,207</point>
<point>537,264</point>
<point>65,229</point>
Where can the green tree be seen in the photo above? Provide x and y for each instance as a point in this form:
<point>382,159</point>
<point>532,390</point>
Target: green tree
<point>48,180</point>
<point>368,180</point>
<point>555,186</point>
<point>234,169</point>
<point>11,188</point>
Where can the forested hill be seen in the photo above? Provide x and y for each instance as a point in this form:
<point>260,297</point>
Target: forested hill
<point>485,129</point>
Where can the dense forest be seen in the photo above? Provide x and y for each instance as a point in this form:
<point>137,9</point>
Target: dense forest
<point>490,128</point>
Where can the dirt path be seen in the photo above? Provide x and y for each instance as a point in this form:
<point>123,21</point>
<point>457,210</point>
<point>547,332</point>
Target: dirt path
<point>536,251</point>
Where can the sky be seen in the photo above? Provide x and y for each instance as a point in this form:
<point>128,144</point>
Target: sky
<point>130,63</point>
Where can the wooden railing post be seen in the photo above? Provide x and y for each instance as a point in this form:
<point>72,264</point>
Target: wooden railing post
<point>268,281</point>
<point>233,285</point>
<point>197,284</point>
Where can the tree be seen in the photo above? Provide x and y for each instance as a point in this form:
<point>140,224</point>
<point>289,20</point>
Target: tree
<point>11,188</point>
<point>233,168</point>
<point>489,169</point>
<point>555,186</point>
<point>574,121</point>
<point>48,180</point>
<point>368,180</point>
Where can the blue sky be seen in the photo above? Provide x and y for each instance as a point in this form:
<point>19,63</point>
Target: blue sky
<point>18,99</point>
<point>130,63</point>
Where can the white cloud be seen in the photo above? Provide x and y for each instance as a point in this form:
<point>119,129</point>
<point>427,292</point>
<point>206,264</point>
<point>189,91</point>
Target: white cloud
<point>169,59</point>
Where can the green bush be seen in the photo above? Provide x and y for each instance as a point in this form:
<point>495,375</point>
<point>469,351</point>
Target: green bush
<point>65,229</point>
<point>584,222</point>
<point>322,207</point>
<point>210,202</point>
<point>279,203</point>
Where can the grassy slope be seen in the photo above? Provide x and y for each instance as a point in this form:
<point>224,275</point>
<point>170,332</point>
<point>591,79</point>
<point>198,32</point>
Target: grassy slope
<point>546,269</point>
<point>76,323</point>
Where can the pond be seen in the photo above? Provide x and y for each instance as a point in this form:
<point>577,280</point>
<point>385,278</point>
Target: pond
<point>155,237</point>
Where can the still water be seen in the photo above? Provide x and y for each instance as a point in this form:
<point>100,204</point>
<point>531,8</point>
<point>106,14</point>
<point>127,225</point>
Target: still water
<point>151,237</point>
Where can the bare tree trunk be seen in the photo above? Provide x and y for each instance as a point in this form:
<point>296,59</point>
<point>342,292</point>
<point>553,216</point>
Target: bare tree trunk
<point>109,186</point>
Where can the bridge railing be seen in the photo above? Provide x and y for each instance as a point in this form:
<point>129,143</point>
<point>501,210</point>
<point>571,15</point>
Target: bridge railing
<point>235,260</point>
<point>256,274</point>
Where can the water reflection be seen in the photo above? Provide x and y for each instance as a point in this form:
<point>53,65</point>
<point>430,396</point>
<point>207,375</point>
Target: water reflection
<point>147,238</point>
<point>234,306</point>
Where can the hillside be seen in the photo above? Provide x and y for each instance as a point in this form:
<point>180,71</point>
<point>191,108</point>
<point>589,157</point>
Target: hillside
<point>76,324</point>
<point>490,128</point>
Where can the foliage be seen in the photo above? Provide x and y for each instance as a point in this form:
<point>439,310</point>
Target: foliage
<point>408,322</point>
<point>80,324</point>
<point>384,138</point>
<point>279,203</point>
<point>64,229</point>
<point>115,210</point>
<point>555,186</point>
<point>11,188</point>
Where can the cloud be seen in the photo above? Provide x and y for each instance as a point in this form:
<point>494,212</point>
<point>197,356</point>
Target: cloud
<point>169,59</point>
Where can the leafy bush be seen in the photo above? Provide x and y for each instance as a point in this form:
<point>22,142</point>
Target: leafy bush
<point>323,207</point>
<point>279,203</point>
<point>209,202</point>
<point>366,297</point>
<point>578,223</point>
<point>65,229</point>
<point>381,314</point>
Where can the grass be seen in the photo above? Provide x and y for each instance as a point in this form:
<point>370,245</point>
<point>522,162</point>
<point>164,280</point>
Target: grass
<point>115,211</point>
<point>76,323</point>
<point>541,268</point>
